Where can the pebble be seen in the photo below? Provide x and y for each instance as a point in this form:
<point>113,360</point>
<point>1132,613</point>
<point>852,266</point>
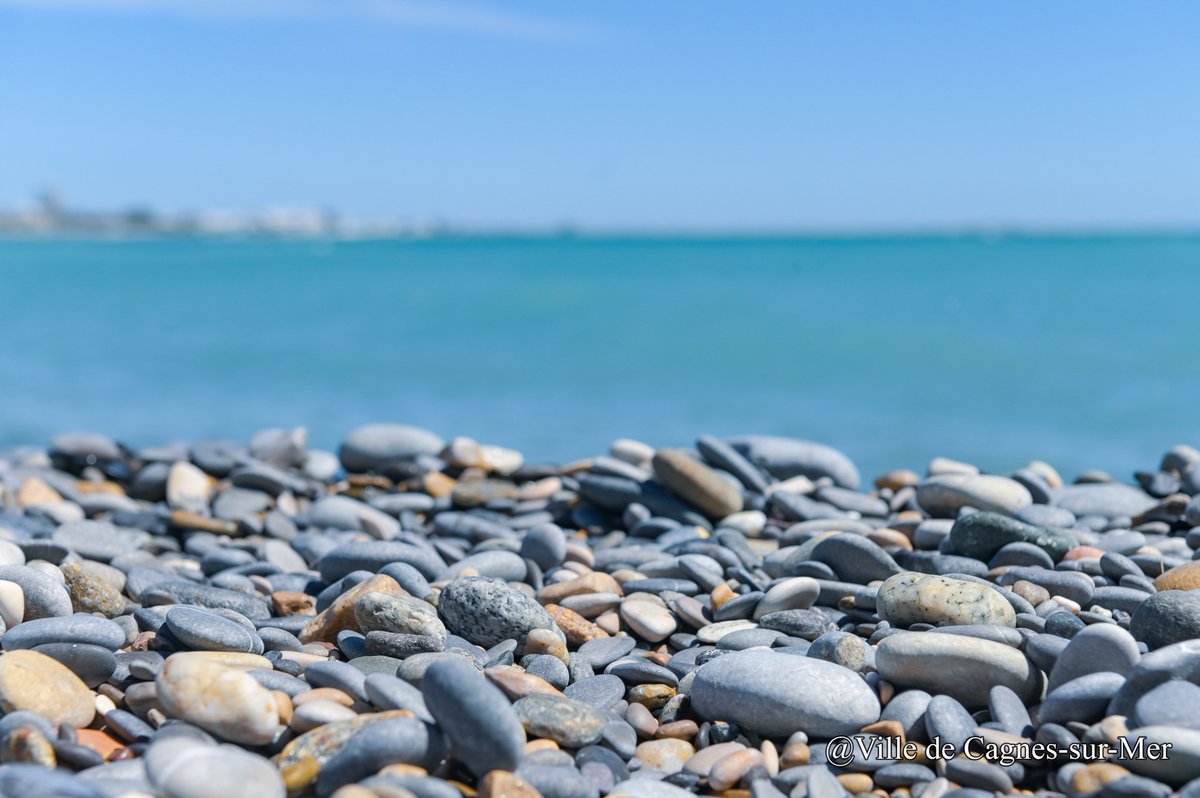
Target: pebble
<point>966,667</point>
<point>32,681</point>
<point>570,723</point>
<point>650,621</point>
<point>219,699</point>
<point>1099,648</point>
<point>911,598</point>
<point>78,628</point>
<point>647,622</point>
<point>784,458</point>
<point>384,612</point>
<point>981,535</point>
<point>777,695</point>
<point>1171,616</point>
<point>90,593</point>
<point>206,631</point>
<point>945,494</point>
<point>376,446</point>
<point>43,596</point>
<point>187,768</point>
<point>483,731</point>
<point>695,482</point>
<point>488,611</point>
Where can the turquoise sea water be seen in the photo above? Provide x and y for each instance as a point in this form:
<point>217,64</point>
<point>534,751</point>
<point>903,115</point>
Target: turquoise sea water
<point>1081,351</point>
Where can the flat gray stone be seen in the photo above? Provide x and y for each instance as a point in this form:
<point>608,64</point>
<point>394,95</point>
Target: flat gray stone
<point>777,694</point>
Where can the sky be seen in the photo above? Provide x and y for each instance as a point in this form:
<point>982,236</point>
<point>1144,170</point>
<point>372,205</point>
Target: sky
<point>612,115</point>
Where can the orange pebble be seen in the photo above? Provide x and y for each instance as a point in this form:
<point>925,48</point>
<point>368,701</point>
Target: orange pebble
<point>98,741</point>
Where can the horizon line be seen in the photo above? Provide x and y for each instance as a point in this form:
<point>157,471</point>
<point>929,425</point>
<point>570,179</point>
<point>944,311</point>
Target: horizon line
<point>450,232</point>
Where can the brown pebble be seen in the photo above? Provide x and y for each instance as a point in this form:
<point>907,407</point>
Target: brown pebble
<point>516,683</point>
<point>595,582</point>
<point>185,520</point>
<point>886,728</point>
<point>1094,775</point>
<point>1181,577</point>
<point>27,744</point>
<point>503,784</point>
<point>895,480</point>
<point>578,629</point>
<point>283,705</point>
<point>142,641</point>
<point>540,744</point>
<point>679,729</point>
<point>35,491</point>
<point>100,742</point>
<point>651,696</point>
<point>637,716</point>
<point>299,774</point>
<point>721,594</point>
<point>340,614</point>
<point>546,641</point>
<point>293,602</point>
<point>403,769</point>
<point>354,791</point>
<point>793,755</point>
<point>1034,594</point>
<point>856,783</point>
<point>729,770</point>
<point>438,485</point>
<point>610,622</point>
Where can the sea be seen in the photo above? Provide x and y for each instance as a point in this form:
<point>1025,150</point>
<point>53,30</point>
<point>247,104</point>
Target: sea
<point>1080,350</point>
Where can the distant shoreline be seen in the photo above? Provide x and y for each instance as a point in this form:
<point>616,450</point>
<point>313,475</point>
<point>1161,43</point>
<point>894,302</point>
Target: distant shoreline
<point>621,235</point>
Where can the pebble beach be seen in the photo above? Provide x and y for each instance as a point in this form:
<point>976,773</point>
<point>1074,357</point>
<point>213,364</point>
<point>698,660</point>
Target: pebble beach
<point>419,616</point>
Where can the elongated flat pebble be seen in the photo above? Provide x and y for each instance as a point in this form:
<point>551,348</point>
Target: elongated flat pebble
<point>965,668</point>
<point>776,694</point>
<point>483,731</point>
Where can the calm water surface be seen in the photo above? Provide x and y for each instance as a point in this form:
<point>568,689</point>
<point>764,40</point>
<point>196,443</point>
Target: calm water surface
<point>1081,351</point>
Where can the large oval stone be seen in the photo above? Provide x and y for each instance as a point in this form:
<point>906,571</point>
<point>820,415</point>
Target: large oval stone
<point>910,598</point>
<point>964,668</point>
<point>376,445</point>
<point>946,494</point>
<point>38,683</point>
<point>224,701</point>
<point>691,479</point>
<point>778,694</point>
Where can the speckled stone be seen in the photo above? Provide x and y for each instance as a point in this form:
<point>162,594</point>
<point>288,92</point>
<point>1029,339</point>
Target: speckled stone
<point>570,723</point>
<point>1168,617</point>
<point>911,598</point>
<point>488,611</point>
<point>400,614</point>
<point>340,614</point>
<point>90,593</point>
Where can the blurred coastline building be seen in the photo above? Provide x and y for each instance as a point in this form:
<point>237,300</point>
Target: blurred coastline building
<point>50,215</point>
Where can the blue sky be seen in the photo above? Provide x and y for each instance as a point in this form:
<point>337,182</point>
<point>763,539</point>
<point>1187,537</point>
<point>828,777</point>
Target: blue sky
<point>612,114</point>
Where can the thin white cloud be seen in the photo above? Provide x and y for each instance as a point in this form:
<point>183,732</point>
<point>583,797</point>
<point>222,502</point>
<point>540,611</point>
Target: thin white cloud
<point>445,15</point>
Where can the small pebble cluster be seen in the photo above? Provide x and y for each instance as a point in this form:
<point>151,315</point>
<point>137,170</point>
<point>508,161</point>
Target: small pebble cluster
<point>412,617</point>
